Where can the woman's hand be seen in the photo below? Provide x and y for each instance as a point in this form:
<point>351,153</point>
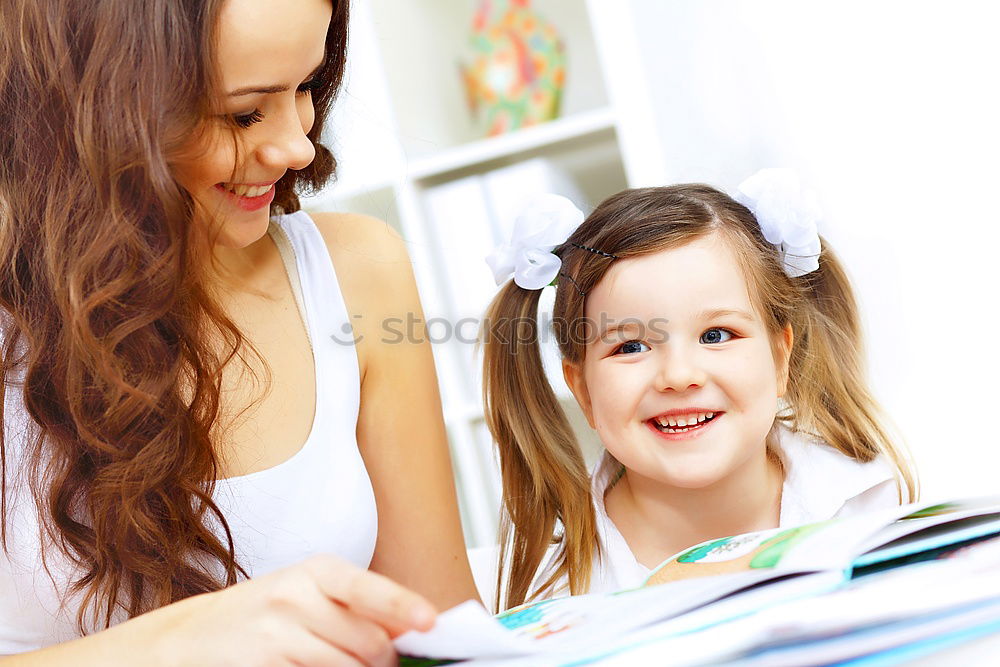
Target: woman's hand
<point>323,611</point>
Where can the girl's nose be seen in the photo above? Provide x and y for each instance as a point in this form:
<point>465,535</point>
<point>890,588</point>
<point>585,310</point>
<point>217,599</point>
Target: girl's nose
<point>679,372</point>
<point>288,147</point>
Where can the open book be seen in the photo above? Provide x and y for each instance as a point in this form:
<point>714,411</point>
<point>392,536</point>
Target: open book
<point>718,582</point>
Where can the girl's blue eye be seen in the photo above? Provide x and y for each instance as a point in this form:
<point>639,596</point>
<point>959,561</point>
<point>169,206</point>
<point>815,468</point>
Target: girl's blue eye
<point>248,119</point>
<point>632,347</point>
<point>713,336</point>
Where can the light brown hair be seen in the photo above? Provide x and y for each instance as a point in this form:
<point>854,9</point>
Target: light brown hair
<point>546,490</point>
<point>105,310</point>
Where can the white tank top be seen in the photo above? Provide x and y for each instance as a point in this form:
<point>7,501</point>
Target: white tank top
<point>318,501</point>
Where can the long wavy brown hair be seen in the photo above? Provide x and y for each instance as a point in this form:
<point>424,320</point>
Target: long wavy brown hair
<point>546,488</point>
<point>107,320</point>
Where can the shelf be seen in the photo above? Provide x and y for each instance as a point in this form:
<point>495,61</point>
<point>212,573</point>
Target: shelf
<point>478,152</point>
<point>332,197</point>
<point>470,155</point>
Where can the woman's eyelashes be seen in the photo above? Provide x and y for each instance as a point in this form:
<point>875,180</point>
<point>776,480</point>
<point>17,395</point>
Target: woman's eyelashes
<point>308,86</point>
<point>247,119</point>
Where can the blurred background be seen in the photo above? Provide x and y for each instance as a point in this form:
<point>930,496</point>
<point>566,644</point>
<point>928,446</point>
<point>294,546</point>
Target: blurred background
<point>456,111</point>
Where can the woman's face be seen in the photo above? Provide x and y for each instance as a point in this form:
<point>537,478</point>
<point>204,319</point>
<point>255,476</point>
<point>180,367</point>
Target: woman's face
<point>684,394</point>
<point>268,52</point>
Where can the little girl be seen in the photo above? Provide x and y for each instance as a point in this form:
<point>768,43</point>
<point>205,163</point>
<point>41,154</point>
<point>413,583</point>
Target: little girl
<point>714,346</point>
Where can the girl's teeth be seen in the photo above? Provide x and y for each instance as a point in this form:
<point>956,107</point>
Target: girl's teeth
<point>684,423</point>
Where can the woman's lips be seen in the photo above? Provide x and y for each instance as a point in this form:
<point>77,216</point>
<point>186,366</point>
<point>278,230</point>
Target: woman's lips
<point>248,203</point>
<point>690,434</point>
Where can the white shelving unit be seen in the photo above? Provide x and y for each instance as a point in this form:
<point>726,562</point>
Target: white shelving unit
<point>411,154</point>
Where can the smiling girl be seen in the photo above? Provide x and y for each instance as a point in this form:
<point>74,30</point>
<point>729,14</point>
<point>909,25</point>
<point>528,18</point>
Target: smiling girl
<point>722,370</point>
<point>191,454</point>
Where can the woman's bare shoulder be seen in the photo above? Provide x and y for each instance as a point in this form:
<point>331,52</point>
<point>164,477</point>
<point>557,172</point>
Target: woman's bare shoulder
<point>374,272</point>
<point>356,240</point>
<point>371,260</point>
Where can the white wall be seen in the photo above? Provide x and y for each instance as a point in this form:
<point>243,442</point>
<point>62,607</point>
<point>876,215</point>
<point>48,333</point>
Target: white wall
<point>891,109</point>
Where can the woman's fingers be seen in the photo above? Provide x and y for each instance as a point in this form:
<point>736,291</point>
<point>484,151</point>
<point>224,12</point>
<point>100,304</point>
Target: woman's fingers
<point>335,625</point>
<point>371,595</point>
<point>311,651</point>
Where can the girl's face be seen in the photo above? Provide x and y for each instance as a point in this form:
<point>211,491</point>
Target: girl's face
<point>690,345</point>
<point>268,52</point>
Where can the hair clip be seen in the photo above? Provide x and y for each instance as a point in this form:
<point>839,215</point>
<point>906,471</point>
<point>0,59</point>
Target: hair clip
<point>594,250</point>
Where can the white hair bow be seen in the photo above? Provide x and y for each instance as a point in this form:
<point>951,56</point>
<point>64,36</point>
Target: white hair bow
<point>546,221</point>
<point>788,213</point>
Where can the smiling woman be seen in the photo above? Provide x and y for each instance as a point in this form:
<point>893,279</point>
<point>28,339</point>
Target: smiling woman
<point>193,468</point>
<point>262,116</point>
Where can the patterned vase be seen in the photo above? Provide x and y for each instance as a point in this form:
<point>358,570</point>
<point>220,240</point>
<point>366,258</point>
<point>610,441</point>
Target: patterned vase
<point>518,67</point>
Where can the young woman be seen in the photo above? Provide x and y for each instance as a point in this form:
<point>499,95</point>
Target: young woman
<point>195,391</point>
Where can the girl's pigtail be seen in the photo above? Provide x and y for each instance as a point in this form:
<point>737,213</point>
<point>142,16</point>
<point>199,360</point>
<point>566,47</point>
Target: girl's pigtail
<point>827,374</point>
<point>545,480</point>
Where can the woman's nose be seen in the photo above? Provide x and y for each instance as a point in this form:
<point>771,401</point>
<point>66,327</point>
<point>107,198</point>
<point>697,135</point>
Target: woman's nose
<point>678,371</point>
<point>288,147</point>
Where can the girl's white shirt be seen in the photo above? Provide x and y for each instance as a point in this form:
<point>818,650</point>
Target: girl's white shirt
<point>820,483</point>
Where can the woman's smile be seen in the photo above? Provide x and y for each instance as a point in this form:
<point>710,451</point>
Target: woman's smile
<point>247,197</point>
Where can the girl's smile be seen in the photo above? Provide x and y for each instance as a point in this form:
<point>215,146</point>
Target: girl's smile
<point>683,425</point>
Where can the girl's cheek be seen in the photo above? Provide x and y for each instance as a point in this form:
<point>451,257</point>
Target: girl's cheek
<point>618,389</point>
